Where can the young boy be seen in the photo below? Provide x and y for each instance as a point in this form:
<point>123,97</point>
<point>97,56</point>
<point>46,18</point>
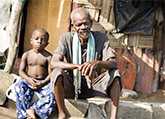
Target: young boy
<point>34,70</point>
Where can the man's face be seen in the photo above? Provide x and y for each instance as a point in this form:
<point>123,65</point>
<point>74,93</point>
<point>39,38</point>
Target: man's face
<point>82,25</point>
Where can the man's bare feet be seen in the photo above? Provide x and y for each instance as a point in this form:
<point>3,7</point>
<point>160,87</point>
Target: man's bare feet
<point>31,114</point>
<point>63,115</point>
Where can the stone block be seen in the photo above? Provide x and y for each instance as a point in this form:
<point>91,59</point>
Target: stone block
<point>99,108</point>
<point>158,111</point>
<point>92,108</point>
<point>135,110</point>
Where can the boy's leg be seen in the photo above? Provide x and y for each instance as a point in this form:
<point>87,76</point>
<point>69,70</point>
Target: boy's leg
<point>31,114</point>
<point>24,96</point>
<point>45,104</point>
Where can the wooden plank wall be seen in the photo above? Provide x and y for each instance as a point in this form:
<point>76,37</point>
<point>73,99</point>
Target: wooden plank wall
<point>102,12</point>
<point>50,14</point>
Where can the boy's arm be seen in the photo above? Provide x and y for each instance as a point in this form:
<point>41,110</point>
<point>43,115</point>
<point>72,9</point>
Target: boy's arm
<point>22,67</point>
<point>47,79</point>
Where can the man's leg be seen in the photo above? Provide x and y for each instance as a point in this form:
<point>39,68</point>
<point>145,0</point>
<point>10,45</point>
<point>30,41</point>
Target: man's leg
<point>114,93</point>
<point>59,96</point>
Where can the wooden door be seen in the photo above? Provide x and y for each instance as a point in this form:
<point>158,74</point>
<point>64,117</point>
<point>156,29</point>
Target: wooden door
<point>52,15</point>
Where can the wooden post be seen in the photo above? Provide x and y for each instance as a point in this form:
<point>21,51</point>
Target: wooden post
<point>12,33</point>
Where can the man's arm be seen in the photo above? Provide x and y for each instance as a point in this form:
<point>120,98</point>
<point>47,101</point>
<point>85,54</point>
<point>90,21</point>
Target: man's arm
<point>110,64</point>
<point>89,68</point>
<point>58,61</point>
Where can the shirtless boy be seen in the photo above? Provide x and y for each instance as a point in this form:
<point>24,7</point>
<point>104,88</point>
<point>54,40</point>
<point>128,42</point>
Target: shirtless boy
<point>34,70</point>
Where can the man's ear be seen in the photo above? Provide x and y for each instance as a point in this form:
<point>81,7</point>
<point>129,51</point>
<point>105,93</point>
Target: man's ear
<point>91,23</point>
<point>73,28</point>
<point>46,44</point>
<point>31,41</point>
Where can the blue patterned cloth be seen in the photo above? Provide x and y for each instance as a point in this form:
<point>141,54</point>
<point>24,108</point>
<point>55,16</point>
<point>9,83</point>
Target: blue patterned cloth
<point>43,107</point>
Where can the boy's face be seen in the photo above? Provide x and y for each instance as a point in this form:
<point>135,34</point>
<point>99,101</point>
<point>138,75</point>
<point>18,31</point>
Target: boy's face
<point>39,40</point>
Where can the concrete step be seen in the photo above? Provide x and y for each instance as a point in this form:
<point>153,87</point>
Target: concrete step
<point>99,108</point>
<point>141,110</point>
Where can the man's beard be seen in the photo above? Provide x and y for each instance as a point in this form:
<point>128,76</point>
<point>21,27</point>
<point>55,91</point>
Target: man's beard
<point>84,34</point>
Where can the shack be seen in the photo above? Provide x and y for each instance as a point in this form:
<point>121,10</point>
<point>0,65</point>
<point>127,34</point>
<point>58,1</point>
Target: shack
<point>135,28</point>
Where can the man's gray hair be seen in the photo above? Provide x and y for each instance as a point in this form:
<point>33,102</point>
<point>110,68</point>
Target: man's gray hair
<point>79,10</point>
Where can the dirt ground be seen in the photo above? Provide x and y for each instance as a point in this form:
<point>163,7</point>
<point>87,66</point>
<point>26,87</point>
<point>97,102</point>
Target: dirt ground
<point>6,113</point>
<point>9,112</point>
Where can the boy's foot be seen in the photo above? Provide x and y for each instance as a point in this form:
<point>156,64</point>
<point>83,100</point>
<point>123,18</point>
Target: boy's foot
<point>31,114</point>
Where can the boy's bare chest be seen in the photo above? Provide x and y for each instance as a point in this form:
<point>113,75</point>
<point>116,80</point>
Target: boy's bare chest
<point>37,59</point>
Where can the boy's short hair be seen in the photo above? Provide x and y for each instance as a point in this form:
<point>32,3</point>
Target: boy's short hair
<point>42,30</point>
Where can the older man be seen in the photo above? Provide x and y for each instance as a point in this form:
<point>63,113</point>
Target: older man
<point>84,65</point>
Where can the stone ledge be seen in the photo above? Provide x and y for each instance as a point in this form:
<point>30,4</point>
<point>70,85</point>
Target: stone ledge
<point>141,110</point>
<point>127,109</point>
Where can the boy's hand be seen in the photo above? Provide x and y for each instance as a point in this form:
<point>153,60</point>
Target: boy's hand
<point>33,82</point>
<point>41,83</point>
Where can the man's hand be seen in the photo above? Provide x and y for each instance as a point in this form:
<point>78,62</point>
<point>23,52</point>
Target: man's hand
<point>85,68</point>
<point>89,69</point>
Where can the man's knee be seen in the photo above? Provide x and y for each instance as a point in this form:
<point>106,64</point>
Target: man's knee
<point>115,87</point>
<point>117,83</point>
<point>58,80</point>
<point>56,76</point>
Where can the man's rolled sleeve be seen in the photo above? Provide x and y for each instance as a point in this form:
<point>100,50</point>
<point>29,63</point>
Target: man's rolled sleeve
<point>108,52</point>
